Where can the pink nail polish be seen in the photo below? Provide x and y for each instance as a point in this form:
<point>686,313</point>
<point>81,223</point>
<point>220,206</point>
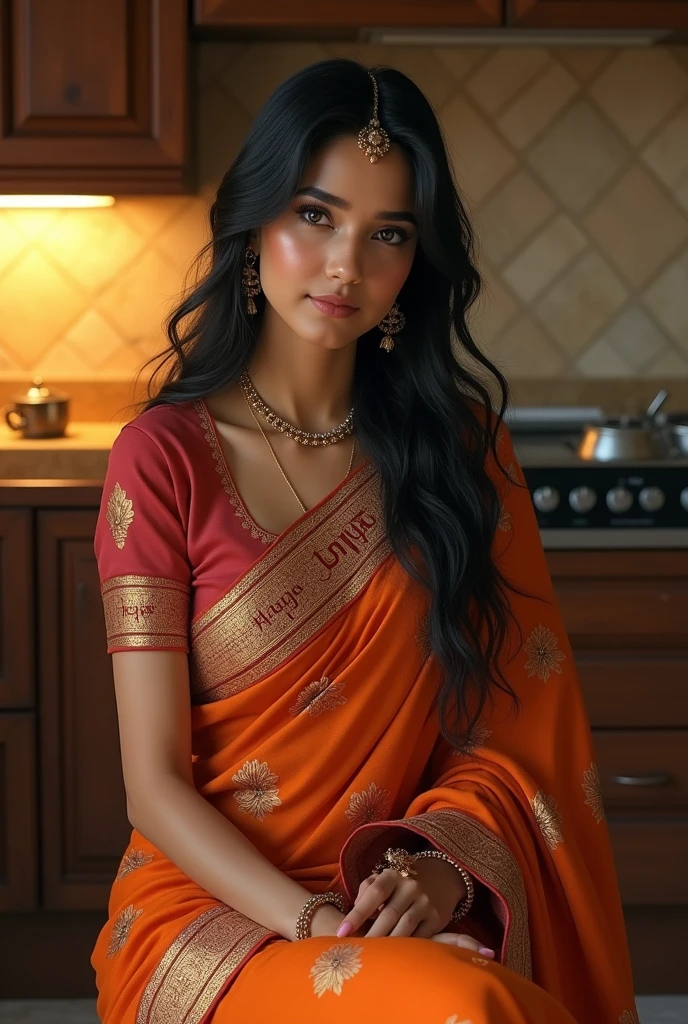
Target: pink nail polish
<point>345,929</point>
<point>489,953</point>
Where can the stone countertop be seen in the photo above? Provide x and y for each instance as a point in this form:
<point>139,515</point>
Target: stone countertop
<point>82,454</point>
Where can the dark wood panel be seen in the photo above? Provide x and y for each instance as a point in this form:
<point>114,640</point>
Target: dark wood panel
<point>16,609</point>
<point>93,97</point>
<point>62,77</point>
<point>313,13</point>
<point>658,937</point>
<point>85,827</point>
<point>50,493</point>
<point>650,856</point>
<point>59,944</point>
<point>646,688</point>
<point>18,859</point>
<point>669,14</point>
<point>643,770</point>
<point>606,597</point>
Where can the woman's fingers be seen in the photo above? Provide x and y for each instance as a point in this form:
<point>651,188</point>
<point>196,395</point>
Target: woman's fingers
<point>367,903</point>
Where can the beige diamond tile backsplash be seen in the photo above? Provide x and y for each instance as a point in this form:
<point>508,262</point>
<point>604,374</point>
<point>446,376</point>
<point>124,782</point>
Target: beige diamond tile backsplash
<point>573,163</point>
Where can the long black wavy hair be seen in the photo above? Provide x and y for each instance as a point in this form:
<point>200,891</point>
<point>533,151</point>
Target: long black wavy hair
<point>422,415</point>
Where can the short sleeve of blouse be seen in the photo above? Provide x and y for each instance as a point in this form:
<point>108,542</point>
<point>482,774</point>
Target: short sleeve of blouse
<point>140,546</point>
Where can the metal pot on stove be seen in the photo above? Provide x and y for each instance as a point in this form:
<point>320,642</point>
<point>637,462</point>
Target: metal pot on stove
<point>628,438</point>
<point>38,413</point>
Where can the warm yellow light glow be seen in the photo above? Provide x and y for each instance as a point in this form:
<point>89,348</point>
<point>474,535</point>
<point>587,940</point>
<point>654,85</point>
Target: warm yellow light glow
<point>31,202</point>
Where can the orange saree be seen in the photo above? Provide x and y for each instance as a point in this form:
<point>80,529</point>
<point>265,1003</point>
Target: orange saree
<point>315,732</point>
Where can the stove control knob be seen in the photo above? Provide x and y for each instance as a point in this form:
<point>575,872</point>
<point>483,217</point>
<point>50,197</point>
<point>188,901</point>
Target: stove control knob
<point>546,499</point>
<point>582,499</point>
<point>651,499</point>
<point>619,499</point>
<point>684,499</point>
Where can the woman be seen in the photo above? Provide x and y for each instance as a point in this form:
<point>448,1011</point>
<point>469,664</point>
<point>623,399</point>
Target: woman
<point>347,706</point>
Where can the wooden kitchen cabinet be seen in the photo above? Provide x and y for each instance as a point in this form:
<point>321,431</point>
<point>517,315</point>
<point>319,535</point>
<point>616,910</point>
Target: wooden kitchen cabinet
<point>309,14</point>
<point>93,96</point>
<point>83,808</point>
<point>619,14</point>
<point>625,613</point>
<point>18,825</point>
<point>16,604</point>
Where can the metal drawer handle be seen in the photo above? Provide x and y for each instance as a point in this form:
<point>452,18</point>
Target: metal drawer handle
<point>658,779</point>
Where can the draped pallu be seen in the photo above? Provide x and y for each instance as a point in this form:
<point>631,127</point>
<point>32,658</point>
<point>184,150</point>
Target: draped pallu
<point>316,732</point>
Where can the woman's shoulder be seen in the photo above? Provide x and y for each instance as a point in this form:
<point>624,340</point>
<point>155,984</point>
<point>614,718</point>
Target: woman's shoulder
<point>170,426</point>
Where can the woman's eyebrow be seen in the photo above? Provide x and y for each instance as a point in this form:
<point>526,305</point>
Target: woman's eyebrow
<point>344,204</point>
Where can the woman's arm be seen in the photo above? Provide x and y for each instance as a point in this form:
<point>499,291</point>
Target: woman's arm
<point>154,712</point>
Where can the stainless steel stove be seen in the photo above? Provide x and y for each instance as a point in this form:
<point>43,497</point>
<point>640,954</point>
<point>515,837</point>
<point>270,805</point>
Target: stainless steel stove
<point>587,504</point>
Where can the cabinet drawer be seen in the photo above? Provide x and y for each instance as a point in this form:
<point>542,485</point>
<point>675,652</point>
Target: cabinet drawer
<point>643,769</point>
<point>651,856</point>
<point>623,599</point>
<point>647,689</point>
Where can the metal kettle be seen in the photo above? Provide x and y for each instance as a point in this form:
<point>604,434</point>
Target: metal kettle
<point>39,412</point>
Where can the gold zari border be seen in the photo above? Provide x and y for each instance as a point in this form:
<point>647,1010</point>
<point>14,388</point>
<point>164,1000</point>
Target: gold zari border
<point>198,964</point>
<point>477,850</point>
<point>146,611</point>
<point>309,574</point>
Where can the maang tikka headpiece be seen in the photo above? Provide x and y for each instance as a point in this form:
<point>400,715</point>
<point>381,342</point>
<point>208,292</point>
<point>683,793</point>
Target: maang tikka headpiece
<point>373,140</point>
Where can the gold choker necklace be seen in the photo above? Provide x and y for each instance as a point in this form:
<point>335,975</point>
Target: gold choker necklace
<point>302,436</point>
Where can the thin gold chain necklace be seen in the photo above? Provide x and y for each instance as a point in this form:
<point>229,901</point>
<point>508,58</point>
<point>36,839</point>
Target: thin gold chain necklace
<point>267,441</point>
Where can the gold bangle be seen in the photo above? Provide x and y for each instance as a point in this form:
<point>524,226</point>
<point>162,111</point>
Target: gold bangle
<point>303,922</point>
<point>467,902</point>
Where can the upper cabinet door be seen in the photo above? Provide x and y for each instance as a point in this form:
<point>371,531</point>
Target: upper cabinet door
<point>93,96</point>
<point>669,14</point>
<point>307,15</point>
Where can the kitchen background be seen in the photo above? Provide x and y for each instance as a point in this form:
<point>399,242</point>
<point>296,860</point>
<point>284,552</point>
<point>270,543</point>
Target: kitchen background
<point>573,163</point>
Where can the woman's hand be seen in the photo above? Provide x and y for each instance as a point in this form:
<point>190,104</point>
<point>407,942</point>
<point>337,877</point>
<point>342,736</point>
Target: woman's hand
<point>420,906</point>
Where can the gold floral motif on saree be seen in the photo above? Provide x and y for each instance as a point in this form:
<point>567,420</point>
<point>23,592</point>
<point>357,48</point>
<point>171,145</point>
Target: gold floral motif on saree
<point>119,514</point>
<point>146,611</point>
<point>476,739</point>
<point>121,928</point>
<point>505,521</point>
<point>548,818</point>
<point>370,805</point>
<point>308,575</point>
<point>257,794</point>
<point>240,510</point>
<point>476,849</point>
<point>335,966</point>
<point>132,860</point>
<point>198,964</point>
<point>321,695</point>
<point>592,787</point>
<point>544,656</point>
<point>480,961</point>
<point>455,1020</point>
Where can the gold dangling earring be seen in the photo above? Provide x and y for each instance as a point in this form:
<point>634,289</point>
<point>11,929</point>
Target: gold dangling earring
<point>390,324</point>
<point>250,282</point>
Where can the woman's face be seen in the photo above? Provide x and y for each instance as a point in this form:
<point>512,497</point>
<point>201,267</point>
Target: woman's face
<point>349,234</point>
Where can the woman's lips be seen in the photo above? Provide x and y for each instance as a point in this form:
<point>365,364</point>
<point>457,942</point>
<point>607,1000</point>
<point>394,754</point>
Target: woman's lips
<point>334,309</point>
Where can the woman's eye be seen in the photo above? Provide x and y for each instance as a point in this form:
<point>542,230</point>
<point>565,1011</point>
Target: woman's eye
<point>392,236</point>
<point>312,215</point>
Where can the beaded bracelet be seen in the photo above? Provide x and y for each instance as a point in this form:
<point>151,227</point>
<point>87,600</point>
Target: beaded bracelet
<point>303,923</point>
<point>467,902</point>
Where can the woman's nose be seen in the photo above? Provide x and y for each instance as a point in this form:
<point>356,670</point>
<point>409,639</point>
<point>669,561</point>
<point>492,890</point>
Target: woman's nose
<point>344,262</point>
